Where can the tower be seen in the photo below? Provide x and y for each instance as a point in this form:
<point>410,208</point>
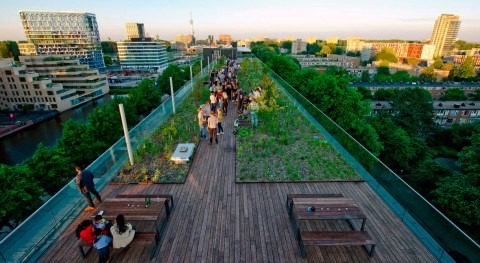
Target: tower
<point>135,31</point>
<point>445,34</point>
<point>192,32</point>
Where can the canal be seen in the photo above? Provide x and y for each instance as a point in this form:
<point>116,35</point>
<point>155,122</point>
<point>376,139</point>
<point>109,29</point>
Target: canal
<point>18,147</point>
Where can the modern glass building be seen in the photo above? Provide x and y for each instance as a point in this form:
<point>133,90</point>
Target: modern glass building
<point>150,55</point>
<point>63,33</point>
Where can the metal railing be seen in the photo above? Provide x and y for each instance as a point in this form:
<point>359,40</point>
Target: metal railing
<point>32,237</point>
<point>440,235</point>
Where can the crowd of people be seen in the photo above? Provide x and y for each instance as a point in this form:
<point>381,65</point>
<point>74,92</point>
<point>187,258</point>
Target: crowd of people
<point>224,88</point>
<point>101,233</point>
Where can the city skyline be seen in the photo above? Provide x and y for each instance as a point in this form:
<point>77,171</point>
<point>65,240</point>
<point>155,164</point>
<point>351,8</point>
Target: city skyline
<point>409,20</point>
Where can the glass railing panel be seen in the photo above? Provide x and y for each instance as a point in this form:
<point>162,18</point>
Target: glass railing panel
<point>436,231</point>
<point>29,240</point>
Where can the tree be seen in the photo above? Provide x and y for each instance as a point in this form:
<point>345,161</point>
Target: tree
<point>326,50</point>
<point>284,66</point>
<point>414,109</point>
<point>454,94</point>
<point>438,63</point>
<point>145,97</point>
<point>428,173</point>
<point>339,51</point>
<point>287,45</point>
<point>475,95</point>
<point>366,76</point>
<point>448,66</point>
<point>351,54</point>
<point>400,76</point>
<point>107,60</point>
<point>50,168</point>
<point>9,49</point>
<point>78,145</point>
<point>366,93</point>
<point>428,75</point>
<point>20,194</point>
<point>465,71</point>
<point>386,54</point>
<point>384,94</point>
<point>412,61</point>
<point>109,47</point>
<point>177,79</point>
<point>313,48</point>
<point>469,157</point>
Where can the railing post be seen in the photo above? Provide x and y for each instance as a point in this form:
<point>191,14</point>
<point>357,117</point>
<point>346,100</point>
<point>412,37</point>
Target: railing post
<point>125,131</point>
<point>191,77</point>
<point>173,95</point>
<point>201,68</point>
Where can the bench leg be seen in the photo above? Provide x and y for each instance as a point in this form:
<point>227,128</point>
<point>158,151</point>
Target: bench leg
<point>371,251</point>
<point>81,251</point>
<point>300,245</point>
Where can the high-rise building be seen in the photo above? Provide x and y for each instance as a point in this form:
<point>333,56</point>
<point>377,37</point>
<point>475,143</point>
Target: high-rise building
<point>68,33</point>
<point>135,30</point>
<point>225,39</point>
<point>210,40</point>
<point>299,46</point>
<point>141,52</point>
<point>445,34</point>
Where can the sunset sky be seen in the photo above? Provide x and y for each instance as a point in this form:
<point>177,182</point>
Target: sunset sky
<point>372,19</point>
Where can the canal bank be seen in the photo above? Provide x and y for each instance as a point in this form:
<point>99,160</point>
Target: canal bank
<point>19,146</point>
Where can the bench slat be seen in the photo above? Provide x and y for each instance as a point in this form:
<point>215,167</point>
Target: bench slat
<point>336,238</point>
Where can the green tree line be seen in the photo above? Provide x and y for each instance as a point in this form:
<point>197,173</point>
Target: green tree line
<point>405,139</point>
<point>50,168</point>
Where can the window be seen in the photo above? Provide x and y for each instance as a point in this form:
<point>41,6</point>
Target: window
<point>22,79</point>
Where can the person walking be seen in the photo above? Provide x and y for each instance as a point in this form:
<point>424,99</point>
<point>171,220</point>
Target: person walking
<point>202,123</point>
<point>219,121</point>
<point>85,185</point>
<point>212,126</point>
<point>253,107</point>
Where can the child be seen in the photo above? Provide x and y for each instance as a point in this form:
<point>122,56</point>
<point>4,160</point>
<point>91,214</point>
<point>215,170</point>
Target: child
<point>104,225</point>
<point>101,243</point>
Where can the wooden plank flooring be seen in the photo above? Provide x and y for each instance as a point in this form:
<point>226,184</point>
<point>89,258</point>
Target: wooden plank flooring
<point>217,220</point>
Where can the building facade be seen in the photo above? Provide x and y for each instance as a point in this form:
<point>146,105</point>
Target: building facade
<point>21,88</point>
<point>135,31</point>
<point>67,33</point>
<point>148,55</point>
<point>225,39</point>
<point>445,114</point>
<point>311,40</point>
<point>299,46</point>
<point>63,69</point>
<point>332,40</point>
<point>445,33</point>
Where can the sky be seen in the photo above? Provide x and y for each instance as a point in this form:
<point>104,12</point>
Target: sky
<point>368,19</point>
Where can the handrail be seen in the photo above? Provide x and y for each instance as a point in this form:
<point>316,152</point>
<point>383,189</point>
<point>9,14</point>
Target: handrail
<point>29,240</point>
<point>469,248</point>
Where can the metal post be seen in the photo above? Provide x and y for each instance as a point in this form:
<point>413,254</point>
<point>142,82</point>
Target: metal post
<point>191,77</point>
<point>208,66</point>
<point>173,95</point>
<point>201,68</point>
<point>125,131</point>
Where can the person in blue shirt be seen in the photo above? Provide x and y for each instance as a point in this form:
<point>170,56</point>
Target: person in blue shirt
<point>85,185</point>
<point>101,243</point>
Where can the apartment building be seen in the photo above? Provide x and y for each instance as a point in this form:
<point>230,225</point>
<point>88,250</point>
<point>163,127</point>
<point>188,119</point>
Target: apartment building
<point>299,46</point>
<point>437,90</point>
<point>445,114</point>
<point>445,33</point>
<point>225,39</point>
<point>311,40</point>
<point>459,59</point>
<point>63,69</point>
<point>21,88</point>
<point>332,40</point>
<point>62,33</point>
<point>332,60</point>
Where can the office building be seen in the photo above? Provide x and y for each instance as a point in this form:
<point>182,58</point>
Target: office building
<point>140,52</point>
<point>20,88</point>
<point>445,34</point>
<point>354,44</point>
<point>63,69</point>
<point>299,46</point>
<point>62,33</point>
<point>135,31</point>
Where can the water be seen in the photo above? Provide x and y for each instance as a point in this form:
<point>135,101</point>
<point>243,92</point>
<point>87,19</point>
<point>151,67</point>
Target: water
<point>16,148</point>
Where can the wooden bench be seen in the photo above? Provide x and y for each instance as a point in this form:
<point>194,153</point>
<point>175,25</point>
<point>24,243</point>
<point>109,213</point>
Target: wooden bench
<point>290,196</point>
<point>145,239</point>
<point>141,239</point>
<point>329,238</point>
<point>168,201</point>
<point>245,123</point>
<point>83,244</point>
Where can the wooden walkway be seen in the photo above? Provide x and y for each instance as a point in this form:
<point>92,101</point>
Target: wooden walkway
<point>217,220</point>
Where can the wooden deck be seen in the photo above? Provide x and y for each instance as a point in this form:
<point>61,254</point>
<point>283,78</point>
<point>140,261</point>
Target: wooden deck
<point>217,220</point>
